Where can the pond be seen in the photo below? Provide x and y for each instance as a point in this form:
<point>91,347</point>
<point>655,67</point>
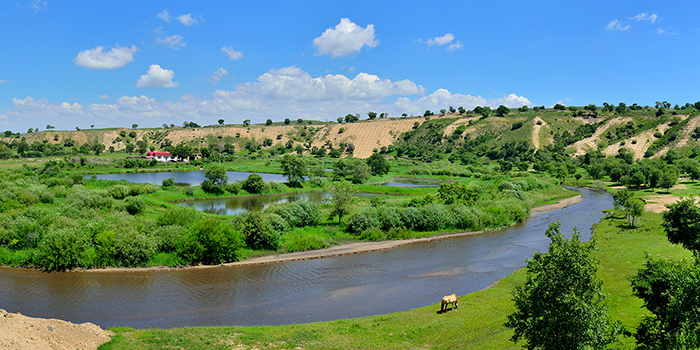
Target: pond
<point>237,205</point>
<point>410,182</point>
<point>183,178</point>
<point>305,291</point>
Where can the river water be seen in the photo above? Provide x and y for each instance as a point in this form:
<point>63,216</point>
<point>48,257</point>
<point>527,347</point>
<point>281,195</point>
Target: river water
<point>184,178</point>
<point>348,286</point>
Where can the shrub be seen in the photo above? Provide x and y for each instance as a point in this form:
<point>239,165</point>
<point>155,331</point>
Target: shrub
<point>61,249</point>
<point>410,217</point>
<point>397,233</point>
<point>233,187</point>
<point>254,184</point>
<point>210,241</point>
<point>363,220</point>
<point>373,234</point>
<point>105,251</point>
<point>119,191</point>
<point>189,191</point>
<point>179,216</point>
<point>297,214</point>
<point>139,189</point>
<point>389,218</point>
<point>435,216</point>
<point>168,182</point>
<point>465,217</point>
<point>276,222</point>
<point>82,198</point>
<point>134,205</point>
<point>300,242</point>
<point>168,237</point>
<point>27,199</point>
<point>132,248</point>
<point>259,233</point>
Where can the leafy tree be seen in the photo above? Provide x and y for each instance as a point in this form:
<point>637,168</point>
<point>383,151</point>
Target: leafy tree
<point>92,126</point>
<point>350,118</point>
<point>182,151</point>
<point>221,122</point>
<point>443,111</point>
<point>461,110</point>
<point>340,120</point>
<point>378,164</point>
<point>634,210</point>
<point>8,133</point>
<point>452,109</point>
<point>562,304</point>
<point>559,107</point>
<point>428,113</point>
<point>129,147</point>
<point>210,241</point>
<point>342,195</point>
<point>502,111</point>
<point>668,178</point>
<point>268,122</point>
<point>215,179</point>
<point>300,121</point>
<point>254,184</point>
<point>682,224</point>
<point>134,126</point>
<point>621,108</point>
<point>287,121</point>
<point>371,115</point>
<point>358,170</point>
<point>98,148</point>
<point>246,122</point>
<point>258,232</point>
<point>294,168</point>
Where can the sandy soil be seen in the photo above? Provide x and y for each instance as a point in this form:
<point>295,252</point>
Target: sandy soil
<point>462,121</point>
<point>536,131</point>
<point>592,142</point>
<point>684,137</point>
<point>366,136</point>
<point>21,332</point>
<point>644,140</point>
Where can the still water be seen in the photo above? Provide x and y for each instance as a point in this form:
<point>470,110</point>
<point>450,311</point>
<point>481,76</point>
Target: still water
<point>237,205</point>
<point>183,178</point>
<point>348,286</point>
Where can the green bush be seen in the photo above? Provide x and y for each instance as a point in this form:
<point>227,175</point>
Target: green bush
<point>435,216</point>
<point>397,233</point>
<point>259,233</point>
<point>297,214</point>
<point>27,199</point>
<point>105,251</point>
<point>168,182</point>
<point>61,249</point>
<point>133,248</point>
<point>233,187</point>
<point>363,220</point>
<point>168,238</point>
<point>134,205</point>
<point>83,198</point>
<point>389,218</point>
<point>410,217</point>
<point>276,222</point>
<point>119,191</point>
<point>299,242</point>
<point>210,241</point>
<point>179,216</point>
<point>254,184</point>
<point>373,234</point>
<point>466,218</point>
<point>139,189</point>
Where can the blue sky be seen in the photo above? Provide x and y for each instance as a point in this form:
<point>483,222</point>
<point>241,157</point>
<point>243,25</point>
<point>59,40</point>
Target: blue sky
<point>116,63</point>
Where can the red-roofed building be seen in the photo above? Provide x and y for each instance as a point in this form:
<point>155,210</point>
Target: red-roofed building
<point>161,156</point>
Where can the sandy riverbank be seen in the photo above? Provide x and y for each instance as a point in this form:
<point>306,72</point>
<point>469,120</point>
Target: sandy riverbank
<point>21,332</point>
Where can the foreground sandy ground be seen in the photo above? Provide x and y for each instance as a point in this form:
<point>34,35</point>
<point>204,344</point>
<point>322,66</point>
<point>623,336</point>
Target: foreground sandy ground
<point>21,332</point>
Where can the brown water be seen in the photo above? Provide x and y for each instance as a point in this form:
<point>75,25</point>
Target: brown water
<point>293,292</point>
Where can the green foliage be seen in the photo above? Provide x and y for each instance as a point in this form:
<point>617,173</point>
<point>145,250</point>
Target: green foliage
<point>378,164</point>
<point>299,242</point>
<point>297,214</point>
<point>342,195</point>
<point>215,179</point>
<point>562,304</point>
<point>373,234</point>
<point>454,192</point>
<point>294,168</point>
<point>168,182</point>
<point>259,233</point>
<point>254,184</point>
<point>119,191</point>
<point>210,241</point>
<point>363,220</point>
<point>682,224</point>
<point>134,205</point>
<point>61,249</point>
<point>132,248</point>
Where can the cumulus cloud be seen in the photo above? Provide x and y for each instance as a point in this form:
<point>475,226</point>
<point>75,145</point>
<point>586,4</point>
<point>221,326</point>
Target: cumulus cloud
<point>185,19</point>
<point>455,46</point>
<point>616,25</point>
<point>288,89</point>
<point>4,81</point>
<point>645,17</point>
<point>231,53</point>
<point>220,73</point>
<point>104,97</point>
<point>157,77</point>
<point>441,40</point>
<point>346,38</point>
<point>117,57</point>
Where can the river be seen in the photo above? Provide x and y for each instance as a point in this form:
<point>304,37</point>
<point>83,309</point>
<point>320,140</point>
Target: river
<point>348,286</point>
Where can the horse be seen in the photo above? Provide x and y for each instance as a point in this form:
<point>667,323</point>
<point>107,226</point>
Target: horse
<point>449,299</point>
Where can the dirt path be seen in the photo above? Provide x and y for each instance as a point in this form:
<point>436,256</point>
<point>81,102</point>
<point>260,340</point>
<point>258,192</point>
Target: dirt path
<point>536,131</point>
<point>22,332</point>
<point>584,145</point>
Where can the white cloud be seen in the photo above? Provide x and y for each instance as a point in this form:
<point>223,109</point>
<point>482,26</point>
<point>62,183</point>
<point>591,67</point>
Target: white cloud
<point>455,46</point>
<point>645,17</point>
<point>217,75</point>
<point>4,81</point>
<point>616,25</point>
<point>117,57</point>
<point>441,40</point>
<point>39,5</point>
<point>346,38</point>
<point>188,20</point>
<point>231,53</point>
<point>104,97</point>
<point>164,15</point>
<point>287,92</point>
<point>157,77</point>
<point>173,41</point>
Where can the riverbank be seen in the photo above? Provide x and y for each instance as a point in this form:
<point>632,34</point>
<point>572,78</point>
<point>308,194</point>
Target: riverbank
<point>29,333</point>
<point>339,250</point>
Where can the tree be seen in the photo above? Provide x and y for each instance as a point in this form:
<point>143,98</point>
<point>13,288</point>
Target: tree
<point>452,109</point>
<point>215,179</point>
<point>461,110</point>
<point>378,164</point>
<point>358,170</point>
<point>371,115</point>
<point>294,168</point>
<point>340,120</point>
<point>182,151</point>
<point>92,126</point>
<point>502,111</point>
<point>682,224</point>
<point>300,121</point>
<point>287,121</point>
<point>221,122</point>
<point>129,147</point>
<point>246,122</point>
<point>268,122</point>
<point>8,133</point>
<point>668,178</point>
<point>559,107</point>
<point>633,211</point>
<point>350,118</point>
<point>562,304</point>
<point>134,126</point>
<point>342,195</point>
<point>98,148</point>
<point>254,184</point>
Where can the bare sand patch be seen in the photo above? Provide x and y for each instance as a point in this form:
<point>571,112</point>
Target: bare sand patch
<point>22,332</point>
<point>591,143</point>
<point>660,202</point>
<point>538,124</point>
